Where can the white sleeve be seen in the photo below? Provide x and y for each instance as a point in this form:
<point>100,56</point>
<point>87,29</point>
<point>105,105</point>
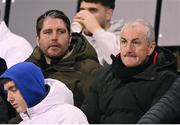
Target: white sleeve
<point>18,53</point>
<point>108,43</point>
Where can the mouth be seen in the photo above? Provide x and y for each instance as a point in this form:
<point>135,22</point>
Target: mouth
<point>55,45</point>
<point>14,105</point>
<point>130,56</point>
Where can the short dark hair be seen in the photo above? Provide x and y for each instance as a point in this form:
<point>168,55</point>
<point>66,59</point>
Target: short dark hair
<point>5,80</point>
<point>53,14</point>
<point>106,3</point>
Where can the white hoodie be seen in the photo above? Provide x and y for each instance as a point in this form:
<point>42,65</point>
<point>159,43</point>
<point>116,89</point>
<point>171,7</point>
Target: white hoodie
<point>107,42</point>
<point>13,48</point>
<point>56,108</point>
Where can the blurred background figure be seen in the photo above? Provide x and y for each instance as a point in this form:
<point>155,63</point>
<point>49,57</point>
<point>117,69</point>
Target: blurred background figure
<point>97,26</point>
<point>13,48</point>
<point>167,109</point>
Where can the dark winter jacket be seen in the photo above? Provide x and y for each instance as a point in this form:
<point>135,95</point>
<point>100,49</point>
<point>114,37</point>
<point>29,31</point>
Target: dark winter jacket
<point>167,109</point>
<point>3,66</point>
<point>122,95</point>
<point>76,69</point>
<point>5,107</point>
<point>3,112</point>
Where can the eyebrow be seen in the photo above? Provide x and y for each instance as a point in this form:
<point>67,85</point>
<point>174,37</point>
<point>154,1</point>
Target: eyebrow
<point>11,87</point>
<point>131,40</point>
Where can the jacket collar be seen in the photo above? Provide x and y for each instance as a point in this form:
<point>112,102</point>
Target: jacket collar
<point>40,59</point>
<point>146,71</point>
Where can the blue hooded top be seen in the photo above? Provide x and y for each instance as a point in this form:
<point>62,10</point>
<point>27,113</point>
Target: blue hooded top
<point>29,79</point>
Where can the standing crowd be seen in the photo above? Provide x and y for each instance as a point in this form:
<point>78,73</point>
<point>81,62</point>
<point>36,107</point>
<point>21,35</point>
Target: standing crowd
<point>111,72</point>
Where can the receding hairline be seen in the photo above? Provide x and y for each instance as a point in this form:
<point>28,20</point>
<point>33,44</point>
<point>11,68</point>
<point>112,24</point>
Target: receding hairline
<point>148,29</point>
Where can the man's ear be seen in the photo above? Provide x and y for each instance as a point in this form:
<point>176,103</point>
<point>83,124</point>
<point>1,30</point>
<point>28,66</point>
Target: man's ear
<point>151,48</point>
<point>109,13</point>
<point>37,40</point>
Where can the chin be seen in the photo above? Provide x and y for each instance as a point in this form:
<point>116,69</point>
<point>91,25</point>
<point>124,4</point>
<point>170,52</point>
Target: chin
<point>130,65</point>
<point>54,55</point>
<point>19,111</point>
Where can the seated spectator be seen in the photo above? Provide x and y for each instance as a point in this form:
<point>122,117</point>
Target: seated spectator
<point>101,31</point>
<point>64,56</point>
<point>167,109</point>
<point>13,48</point>
<point>39,100</point>
<point>138,77</point>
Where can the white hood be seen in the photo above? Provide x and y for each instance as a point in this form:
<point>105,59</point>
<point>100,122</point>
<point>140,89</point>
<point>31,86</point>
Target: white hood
<point>58,94</point>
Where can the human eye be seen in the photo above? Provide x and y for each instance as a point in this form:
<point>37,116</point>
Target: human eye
<point>61,31</point>
<point>136,43</point>
<point>47,32</point>
<point>123,41</point>
<point>13,89</point>
<point>93,10</point>
<point>82,9</point>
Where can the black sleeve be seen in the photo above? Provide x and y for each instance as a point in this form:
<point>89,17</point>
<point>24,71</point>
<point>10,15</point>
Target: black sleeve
<point>3,66</point>
<point>90,107</point>
<point>167,109</point>
<point>3,112</point>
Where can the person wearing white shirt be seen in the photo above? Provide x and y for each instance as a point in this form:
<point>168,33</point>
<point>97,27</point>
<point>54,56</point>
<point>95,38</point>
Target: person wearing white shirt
<point>13,48</point>
<point>102,33</point>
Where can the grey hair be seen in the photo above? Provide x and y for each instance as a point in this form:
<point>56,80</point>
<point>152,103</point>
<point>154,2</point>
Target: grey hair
<point>150,33</point>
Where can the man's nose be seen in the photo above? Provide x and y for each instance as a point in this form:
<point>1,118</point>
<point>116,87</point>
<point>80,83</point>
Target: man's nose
<point>129,47</point>
<point>9,97</point>
<point>54,35</point>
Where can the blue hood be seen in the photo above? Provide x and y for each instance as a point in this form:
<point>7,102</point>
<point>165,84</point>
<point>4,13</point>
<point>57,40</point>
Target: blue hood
<point>29,79</point>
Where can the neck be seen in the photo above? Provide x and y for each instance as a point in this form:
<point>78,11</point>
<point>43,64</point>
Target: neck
<point>124,72</point>
<point>107,25</point>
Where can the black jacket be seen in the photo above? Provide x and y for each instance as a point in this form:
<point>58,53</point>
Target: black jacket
<point>118,96</point>
<point>3,108</point>
<point>76,69</point>
<point>6,110</point>
<point>167,109</point>
<point>3,66</point>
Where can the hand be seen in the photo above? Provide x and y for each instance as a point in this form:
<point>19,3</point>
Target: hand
<point>88,20</point>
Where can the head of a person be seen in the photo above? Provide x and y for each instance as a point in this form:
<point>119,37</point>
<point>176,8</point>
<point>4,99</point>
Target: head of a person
<point>101,9</point>
<point>137,42</point>
<point>24,84</point>
<point>53,33</point>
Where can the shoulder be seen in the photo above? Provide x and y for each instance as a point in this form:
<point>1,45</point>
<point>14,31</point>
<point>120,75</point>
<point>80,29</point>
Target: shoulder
<point>167,74</point>
<point>14,40</point>
<point>71,114</point>
<point>103,76</point>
